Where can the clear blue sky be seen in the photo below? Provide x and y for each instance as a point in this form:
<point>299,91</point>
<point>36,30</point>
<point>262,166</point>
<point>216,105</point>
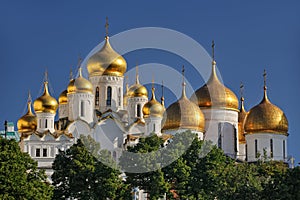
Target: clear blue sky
<point>249,35</point>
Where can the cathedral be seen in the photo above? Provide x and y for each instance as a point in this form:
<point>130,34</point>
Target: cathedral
<point>117,115</point>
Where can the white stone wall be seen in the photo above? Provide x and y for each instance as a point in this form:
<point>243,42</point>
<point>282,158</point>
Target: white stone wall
<point>103,82</point>
<point>132,107</point>
<point>45,121</point>
<point>242,151</point>
<point>264,143</point>
<point>153,125</point>
<point>63,111</point>
<point>81,106</point>
<point>217,125</point>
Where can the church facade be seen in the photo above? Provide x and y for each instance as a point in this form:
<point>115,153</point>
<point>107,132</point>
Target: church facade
<point>117,115</point>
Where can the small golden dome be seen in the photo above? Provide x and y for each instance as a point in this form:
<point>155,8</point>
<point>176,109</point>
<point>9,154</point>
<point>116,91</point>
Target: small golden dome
<point>137,90</point>
<point>215,94</point>
<point>106,62</point>
<point>153,107</point>
<point>241,121</point>
<point>80,85</point>
<point>27,123</point>
<point>45,103</point>
<point>184,114</point>
<point>266,118</point>
<point>63,99</point>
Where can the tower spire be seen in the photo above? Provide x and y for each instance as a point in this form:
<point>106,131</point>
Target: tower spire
<point>71,74</point>
<point>265,85</point>
<point>29,111</point>
<point>153,89</point>
<point>46,76</point>
<point>213,50</point>
<point>106,28</point>
<point>242,108</point>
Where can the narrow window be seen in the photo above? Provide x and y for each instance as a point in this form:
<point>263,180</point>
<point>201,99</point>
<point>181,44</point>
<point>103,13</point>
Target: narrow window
<point>108,100</point>
<point>271,148</point>
<point>37,152</point>
<point>46,123</point>
<point>97,96</point>
<point>40,124</point>
<point>82,109</point>
<point>119,97</point>
<point>154,128</point>
<point>235,140</point>
<point>256,155</point>
<point>283,146</point>
<point>220,135</point>
<point>138,110</point>
<point>44,152</point>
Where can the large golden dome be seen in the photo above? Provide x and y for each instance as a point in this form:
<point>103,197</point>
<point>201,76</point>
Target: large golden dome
<point>215,94</point>
<point>80,85</point>
<point>27,123</point>
<point>153,107</point>
<point>137,90</point>
<point>241,122</point>
<point>184,114</point>
<point>45,103</point>
<point>106,62</point>
<point>63,99</point>
<point>266,118</point>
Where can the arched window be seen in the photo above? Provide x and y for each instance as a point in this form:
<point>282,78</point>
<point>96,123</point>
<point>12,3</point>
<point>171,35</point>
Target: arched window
<point>82,109</point>
<point>255,146</point>
<point>119,97</point>
<point>97,97</point>
<point>220,135</point>
<point>46,123</point>
<point>109,94</point>
<point>138,110</point>
<point>271,148</point>
<point>283,146</point>
<point>246,152</point>
<point>154,128</point>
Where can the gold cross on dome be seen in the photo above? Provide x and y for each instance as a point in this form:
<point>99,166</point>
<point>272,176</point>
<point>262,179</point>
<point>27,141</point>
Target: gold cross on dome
<point>106,26</point>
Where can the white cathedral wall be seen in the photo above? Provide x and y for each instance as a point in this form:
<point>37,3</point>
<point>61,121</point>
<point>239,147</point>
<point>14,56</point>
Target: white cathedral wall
<point>63,111</point>
<point>229,123</point>
<point>45,121</point>
<point>153,125</point>
<point>132,107</point>
<point>242,151</point>
<point>264,143</point>
<point>81,106</point>
<point>103,82</point>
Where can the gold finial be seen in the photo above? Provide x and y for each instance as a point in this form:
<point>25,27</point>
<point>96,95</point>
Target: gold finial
<point>183,82</point>
<point>137,74</point>
<point>106,27</point>
<point>153,89</point>
<point>71,74</point>
<point>46,76</point>
<point>152,80</point>
<point>29,111</point>
<point>265,79</point>
<point>29,97</point>
<point>213,50</point>
<point>80,71</point>
<point>162,94</point>
<point>242,91</point>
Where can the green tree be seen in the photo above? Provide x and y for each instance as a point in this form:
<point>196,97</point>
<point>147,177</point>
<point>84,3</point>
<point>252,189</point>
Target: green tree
<point>79,174</point>
<point>19,176</point>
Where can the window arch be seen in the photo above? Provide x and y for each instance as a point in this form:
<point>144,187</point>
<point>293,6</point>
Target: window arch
<point>46,123</point>
<point>82,111</point>
<point>97,97</point>
<point>108,96</point>
<point>255,146</point>
<point>271,148</point>
<point>138,110</point>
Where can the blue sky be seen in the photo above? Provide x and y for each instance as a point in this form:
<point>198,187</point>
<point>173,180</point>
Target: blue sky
<point>249,36</point>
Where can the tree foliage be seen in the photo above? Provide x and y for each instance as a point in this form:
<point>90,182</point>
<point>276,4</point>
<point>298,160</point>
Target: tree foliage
<point>79,174</point>
<point>19,176</point>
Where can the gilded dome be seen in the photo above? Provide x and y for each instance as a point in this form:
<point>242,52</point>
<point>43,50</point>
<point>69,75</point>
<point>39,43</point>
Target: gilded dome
<point>106,62</point>
<point>80,85</point>
<point>215,94</point>
<point>266,118</point>
<point>153,107</point>
<point>45,103</point>
<point>137,90</point>
<point>63,99</point>
<point>241,121</point>
<point>184,114</point>
<point>27,123</point>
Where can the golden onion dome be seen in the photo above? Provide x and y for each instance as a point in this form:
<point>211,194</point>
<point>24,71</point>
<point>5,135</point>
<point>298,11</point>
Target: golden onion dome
<point>63,99</point>
<point>266,118</point>
<point>106,62</point>
<point>241,122</point>
<point>80,85</point>
<point>137,90</point>
<point>28,122</point>
<point>45,103</point>
<point>184,114</point>
<point>153,108</point>
<point>215,94</point>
